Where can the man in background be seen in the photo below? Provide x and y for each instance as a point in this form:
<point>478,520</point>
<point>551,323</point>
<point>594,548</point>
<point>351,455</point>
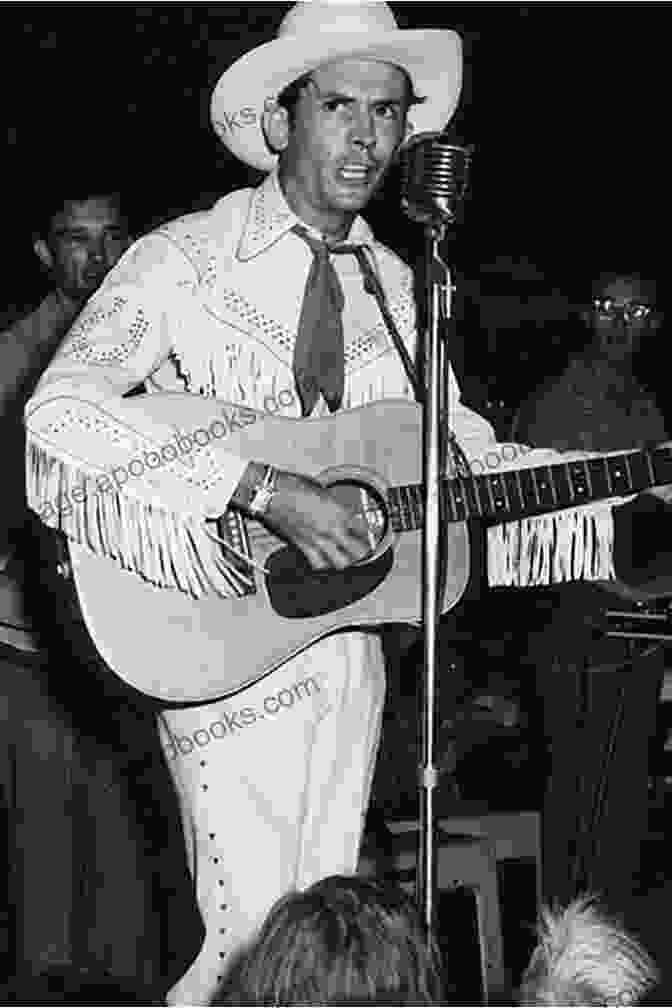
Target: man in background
<point>68,813</point>
<point>77,235</point>
<point>596,804</point>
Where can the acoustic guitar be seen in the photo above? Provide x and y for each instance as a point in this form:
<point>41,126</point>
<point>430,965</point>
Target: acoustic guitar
<point>176,648</point>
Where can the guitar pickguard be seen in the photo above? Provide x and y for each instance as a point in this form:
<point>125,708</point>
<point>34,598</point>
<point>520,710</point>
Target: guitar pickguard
<point>295,591</point>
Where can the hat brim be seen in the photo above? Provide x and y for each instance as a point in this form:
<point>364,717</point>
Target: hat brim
<point>431,57</point>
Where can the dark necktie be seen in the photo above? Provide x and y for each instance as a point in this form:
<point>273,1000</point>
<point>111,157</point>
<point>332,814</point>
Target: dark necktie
<point>319,350</point>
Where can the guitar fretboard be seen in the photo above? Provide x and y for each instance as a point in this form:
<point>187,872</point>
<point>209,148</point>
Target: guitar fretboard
<point>524,492</point>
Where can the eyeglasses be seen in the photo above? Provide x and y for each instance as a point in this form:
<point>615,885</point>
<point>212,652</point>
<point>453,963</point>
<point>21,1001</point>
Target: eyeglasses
<point>633,311</point>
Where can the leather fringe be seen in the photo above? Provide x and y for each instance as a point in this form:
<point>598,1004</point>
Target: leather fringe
<point>167,549</point>
<point>572,545</point>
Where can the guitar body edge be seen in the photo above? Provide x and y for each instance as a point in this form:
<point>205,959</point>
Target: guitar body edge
<point>177,649</point>
<point>190,651</point>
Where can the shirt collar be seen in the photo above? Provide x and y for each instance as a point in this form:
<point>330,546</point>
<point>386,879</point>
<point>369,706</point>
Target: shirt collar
<point>270,217</point>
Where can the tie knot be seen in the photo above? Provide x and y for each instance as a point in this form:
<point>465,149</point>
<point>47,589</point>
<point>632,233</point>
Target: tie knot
<point>320,247</point>
<point>317,246</point>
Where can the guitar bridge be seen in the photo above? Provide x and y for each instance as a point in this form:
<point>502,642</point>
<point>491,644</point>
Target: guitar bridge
<point>231,527</point>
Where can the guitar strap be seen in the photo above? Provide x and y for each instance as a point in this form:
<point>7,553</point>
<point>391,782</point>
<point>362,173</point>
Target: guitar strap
<point>373,286</point>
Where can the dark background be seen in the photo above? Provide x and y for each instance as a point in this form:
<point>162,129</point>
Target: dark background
<point>562,102</point>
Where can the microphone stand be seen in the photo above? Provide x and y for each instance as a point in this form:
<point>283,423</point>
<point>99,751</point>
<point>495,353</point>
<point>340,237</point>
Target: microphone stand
<point>439,291</point>
<point>435,176</point>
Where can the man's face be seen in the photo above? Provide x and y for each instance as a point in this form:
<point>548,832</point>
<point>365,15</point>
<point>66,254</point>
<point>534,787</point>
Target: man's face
<point>350,119</point>
<point>620,317</point>
<point>85,241</point>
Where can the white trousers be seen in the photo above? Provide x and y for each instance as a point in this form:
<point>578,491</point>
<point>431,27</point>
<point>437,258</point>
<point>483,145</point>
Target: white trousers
<point>273,784</point>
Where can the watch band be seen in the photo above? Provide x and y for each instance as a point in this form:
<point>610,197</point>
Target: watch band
<point>263,493</point>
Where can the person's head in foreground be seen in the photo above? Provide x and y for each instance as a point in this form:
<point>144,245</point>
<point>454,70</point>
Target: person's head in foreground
<point>343,940</point>
<point>584,957</point>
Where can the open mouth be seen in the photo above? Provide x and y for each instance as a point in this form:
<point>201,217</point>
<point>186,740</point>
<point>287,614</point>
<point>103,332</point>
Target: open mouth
<point>356,174</point>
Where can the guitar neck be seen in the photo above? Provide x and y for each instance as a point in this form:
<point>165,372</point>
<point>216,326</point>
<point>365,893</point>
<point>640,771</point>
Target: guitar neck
<point>523,492</point>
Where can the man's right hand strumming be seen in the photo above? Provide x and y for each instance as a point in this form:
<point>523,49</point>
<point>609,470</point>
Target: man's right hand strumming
<point>306,514</point>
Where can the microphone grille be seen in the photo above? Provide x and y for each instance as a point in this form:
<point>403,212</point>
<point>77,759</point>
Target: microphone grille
<point>433,176</point>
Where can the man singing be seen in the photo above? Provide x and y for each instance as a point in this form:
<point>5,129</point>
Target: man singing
<point>243,302</point>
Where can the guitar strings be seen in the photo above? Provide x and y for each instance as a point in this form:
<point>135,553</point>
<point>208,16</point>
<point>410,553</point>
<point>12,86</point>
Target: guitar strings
<point>238,553</point>
<point>259,533</point>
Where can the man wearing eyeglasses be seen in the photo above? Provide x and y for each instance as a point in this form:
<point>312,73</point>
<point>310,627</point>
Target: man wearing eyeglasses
<point>597,403</point>
<point>593,692</point>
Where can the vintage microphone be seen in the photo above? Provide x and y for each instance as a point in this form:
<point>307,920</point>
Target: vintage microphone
<point>434,173</point>
<point>434,180</point>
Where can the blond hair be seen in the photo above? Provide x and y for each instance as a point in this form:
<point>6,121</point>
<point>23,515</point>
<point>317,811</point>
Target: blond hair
<point>585,957</point>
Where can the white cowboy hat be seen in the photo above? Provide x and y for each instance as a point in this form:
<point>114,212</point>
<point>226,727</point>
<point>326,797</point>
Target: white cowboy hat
<point>314,32</point>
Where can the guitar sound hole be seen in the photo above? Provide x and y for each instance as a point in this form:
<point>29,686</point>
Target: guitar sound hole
<point>365,502</point>
<point>298,592</point>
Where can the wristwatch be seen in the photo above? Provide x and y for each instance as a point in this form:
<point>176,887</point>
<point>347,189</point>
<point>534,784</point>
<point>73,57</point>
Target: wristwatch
<point>263,493</point>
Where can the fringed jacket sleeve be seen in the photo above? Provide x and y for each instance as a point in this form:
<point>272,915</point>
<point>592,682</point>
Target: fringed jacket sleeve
<point>571,544</point>
<point>99,467</point>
